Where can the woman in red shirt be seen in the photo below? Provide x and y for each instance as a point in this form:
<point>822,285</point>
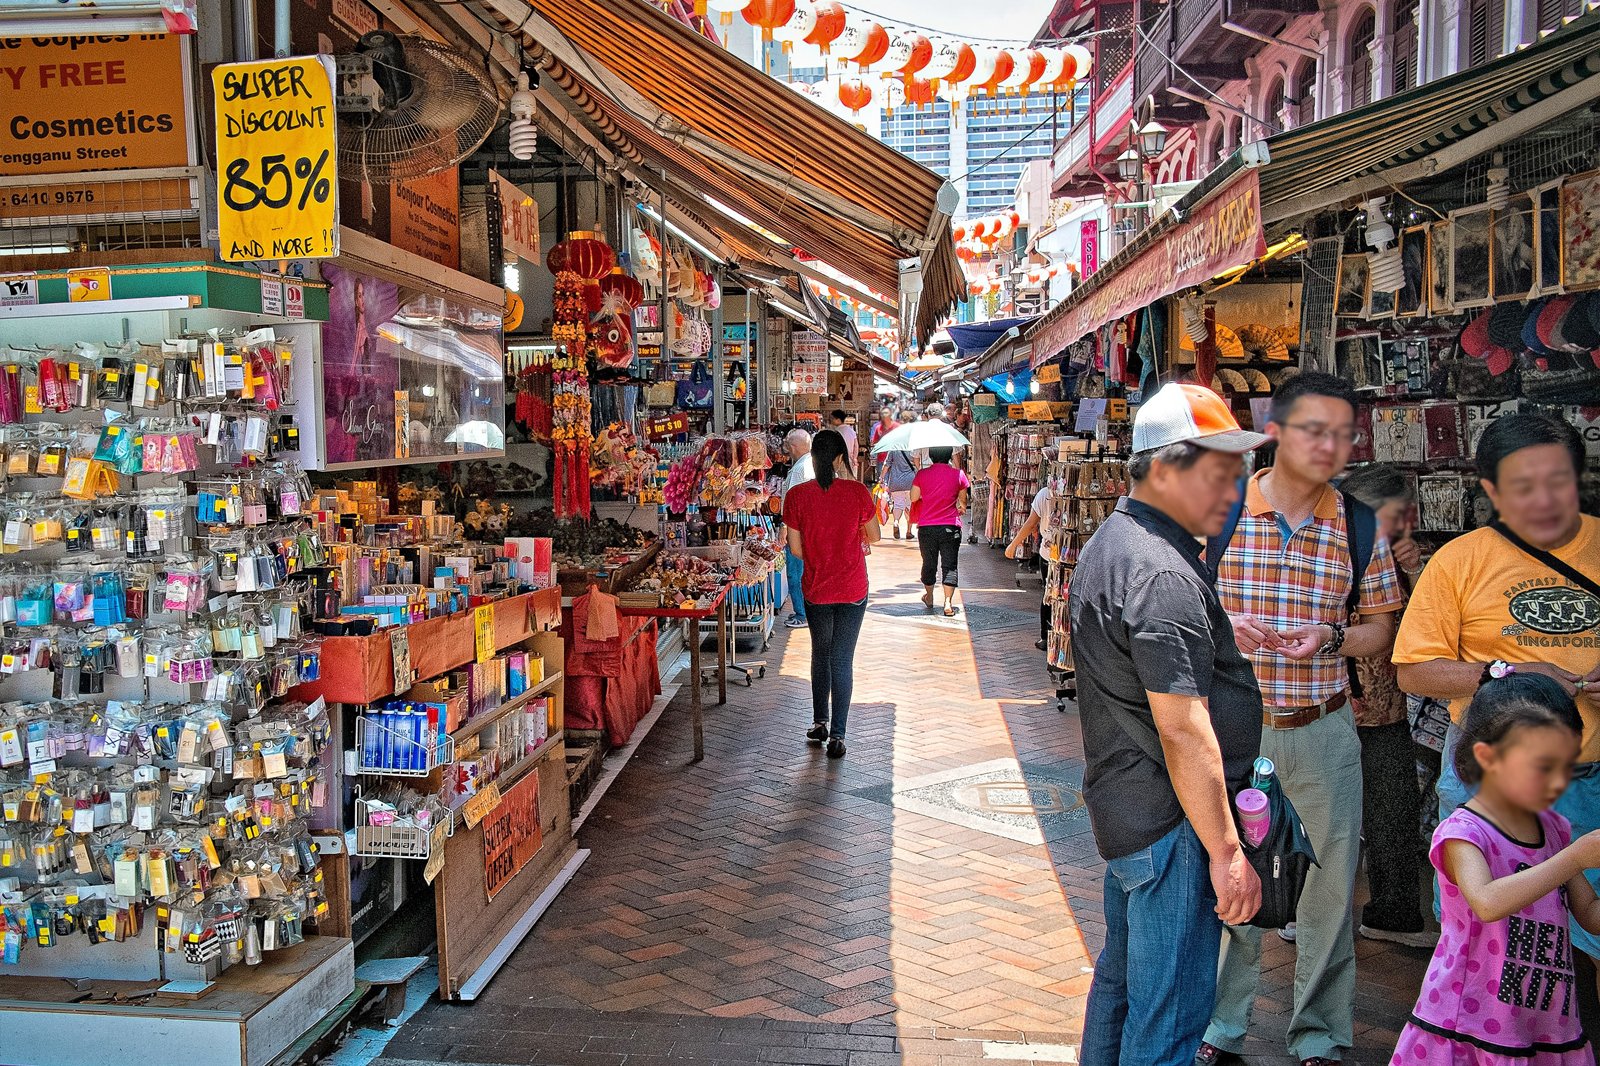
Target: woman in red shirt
<point>831,522</point>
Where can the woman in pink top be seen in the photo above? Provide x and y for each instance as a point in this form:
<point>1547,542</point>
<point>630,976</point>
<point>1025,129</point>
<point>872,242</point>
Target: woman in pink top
<point>1501,989</point>
<point>938,498</point>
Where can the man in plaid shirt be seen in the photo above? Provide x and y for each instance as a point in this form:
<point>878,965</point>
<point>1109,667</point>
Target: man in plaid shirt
<point>1285,581</point>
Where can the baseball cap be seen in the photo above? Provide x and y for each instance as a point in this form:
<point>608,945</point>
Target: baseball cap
<point>1180,412</point>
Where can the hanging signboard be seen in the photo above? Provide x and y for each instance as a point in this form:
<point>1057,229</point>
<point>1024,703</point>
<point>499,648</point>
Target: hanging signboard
<point>809,366</point>
<point>1223,233</point>
<point>511,834</point>
<point>425,217</point>
<point>519,220</point>
<point>277,160</point>
<point>1089,245</point>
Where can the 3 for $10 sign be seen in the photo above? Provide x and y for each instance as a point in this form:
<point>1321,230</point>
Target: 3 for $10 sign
<point>277,159</point>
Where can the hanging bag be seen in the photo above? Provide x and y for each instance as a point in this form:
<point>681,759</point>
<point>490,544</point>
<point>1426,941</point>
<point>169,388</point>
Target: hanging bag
<point>898,472</point>
<point>696,392</point>
<point>1282,860</point>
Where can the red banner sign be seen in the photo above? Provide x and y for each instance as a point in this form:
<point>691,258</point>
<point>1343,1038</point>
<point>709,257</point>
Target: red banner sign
<point>511,835</point>
<point>1089,245</point>
<point>1224,233</point>
<point>667,426</point>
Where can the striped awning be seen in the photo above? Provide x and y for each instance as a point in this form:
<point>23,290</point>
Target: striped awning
<point>1433,127</point>
<point>718,129</point>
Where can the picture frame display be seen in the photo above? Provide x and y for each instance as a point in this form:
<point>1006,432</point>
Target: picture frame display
<point>1547,238</point>
<point>1439,268</point>
<point>1412,299</point>
<point>1513,248</point>
<point>1580,231</point>
<point>1355,284</point>
<point>1469,257</point>
<point>1357,360</point>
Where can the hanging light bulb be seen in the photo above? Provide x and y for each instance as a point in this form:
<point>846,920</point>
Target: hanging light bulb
<point>1498,192</point>
<point>1033,387</point>
<point>524,134</point>
<point>512,276</point>
<point>1386,267</point>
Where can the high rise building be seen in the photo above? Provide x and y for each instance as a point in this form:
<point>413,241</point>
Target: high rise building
<point>985,152</point>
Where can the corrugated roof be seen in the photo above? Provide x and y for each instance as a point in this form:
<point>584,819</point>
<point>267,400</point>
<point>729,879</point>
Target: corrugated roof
<point>717,125</point>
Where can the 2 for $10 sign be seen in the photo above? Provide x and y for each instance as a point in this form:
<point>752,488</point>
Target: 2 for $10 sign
<point>277,159</point>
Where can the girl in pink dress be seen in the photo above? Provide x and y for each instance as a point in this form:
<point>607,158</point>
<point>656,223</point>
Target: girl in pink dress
<point>1500,988</point>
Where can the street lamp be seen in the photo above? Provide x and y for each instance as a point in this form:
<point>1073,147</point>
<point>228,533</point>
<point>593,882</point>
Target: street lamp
<point>1130,165</point>
<point>1152,139</point>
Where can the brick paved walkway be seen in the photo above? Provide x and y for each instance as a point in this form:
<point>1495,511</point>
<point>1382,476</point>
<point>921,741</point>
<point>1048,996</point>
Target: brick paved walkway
<point>933,897</point>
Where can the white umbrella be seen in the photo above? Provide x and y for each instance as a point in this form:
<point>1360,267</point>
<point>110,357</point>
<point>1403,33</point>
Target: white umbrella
<point>915,436</point>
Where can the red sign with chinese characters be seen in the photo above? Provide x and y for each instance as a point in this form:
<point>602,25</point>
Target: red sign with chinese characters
<point>1223,233</point>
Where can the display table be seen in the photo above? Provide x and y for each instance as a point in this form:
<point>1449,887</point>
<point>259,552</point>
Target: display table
<point>691,620</point>
<point>611,684</point>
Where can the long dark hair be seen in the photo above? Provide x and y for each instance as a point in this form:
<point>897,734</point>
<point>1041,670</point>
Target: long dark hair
<point>826,447</point>
<point>1504,705</point>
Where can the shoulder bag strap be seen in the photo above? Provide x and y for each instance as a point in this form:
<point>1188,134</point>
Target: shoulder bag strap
<point>1581,580</point>
<point>1217,546</point>
<point>1361,523</point>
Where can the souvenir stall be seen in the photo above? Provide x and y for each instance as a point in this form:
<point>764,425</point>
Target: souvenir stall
<point>160,768</point>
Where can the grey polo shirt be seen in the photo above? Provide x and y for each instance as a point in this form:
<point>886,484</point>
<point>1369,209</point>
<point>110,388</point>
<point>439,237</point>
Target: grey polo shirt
<point>1145,618</point>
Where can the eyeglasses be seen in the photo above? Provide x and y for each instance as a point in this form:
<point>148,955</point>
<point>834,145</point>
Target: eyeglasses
<point>1319,432</point>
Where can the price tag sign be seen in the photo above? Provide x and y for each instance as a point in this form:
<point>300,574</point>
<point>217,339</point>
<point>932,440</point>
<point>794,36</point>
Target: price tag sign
<point>271,294</point>
<point>436,845</point>
<point>486,800</point>
<point>483,631</point>
<point>277,160</point>
<point>19,290</point>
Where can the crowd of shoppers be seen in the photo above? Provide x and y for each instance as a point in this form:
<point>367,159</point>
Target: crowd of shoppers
<point>1217,619</point>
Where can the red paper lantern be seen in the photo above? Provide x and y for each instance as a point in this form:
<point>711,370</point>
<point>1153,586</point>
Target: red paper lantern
<point>918,50</point>
<point>979,228</point>
<point>1036,65</point>
<point>830,24</point>
<point>976,288</point>
<point>854,94</point>
<point>585,253</point>
<point>626,288</point>
<point>1003,66</point>
<point>875,45</point>
<point>769,15</point>
<point>919,90</point>
<point>966,63</point>
<point>958,232</point>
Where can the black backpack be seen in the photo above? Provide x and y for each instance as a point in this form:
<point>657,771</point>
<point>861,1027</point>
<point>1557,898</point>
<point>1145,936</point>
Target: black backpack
<point>1282,860</point>
<point>1363,540</point>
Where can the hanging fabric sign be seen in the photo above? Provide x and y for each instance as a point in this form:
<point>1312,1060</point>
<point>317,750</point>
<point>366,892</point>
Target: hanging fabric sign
<point>1223,233</point>
<point>519,220</point>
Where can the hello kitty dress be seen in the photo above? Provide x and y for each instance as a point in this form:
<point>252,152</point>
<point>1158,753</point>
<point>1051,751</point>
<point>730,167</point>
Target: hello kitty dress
<point>1498,993</point>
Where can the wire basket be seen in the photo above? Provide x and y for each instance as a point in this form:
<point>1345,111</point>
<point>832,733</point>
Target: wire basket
<point>401,841</point>
<point>404,746</point>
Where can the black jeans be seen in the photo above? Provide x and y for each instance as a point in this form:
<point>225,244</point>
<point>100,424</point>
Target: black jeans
<point>834,630</point>
<point>1390,809</point>
<point>941,546</point>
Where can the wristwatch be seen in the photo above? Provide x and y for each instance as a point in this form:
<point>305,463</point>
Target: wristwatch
<point>1334,642</point>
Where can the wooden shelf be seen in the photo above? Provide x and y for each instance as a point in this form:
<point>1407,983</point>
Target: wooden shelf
<point>476,725</point>
<point>513,773</point>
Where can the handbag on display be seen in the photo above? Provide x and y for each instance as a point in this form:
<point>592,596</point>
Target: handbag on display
<point>696,392</point>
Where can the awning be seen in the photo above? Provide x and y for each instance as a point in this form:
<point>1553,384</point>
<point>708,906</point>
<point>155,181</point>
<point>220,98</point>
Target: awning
<point>719,129</point>
<point>973,338</point>
<point>1405,138</point>
<point>1434,127</point>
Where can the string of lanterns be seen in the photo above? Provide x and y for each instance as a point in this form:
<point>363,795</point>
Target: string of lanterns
<point>926,66</point>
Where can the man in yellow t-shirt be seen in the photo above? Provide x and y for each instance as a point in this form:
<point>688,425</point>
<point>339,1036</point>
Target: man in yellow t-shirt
<point>1483,599</point>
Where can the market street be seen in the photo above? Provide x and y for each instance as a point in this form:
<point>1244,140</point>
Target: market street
<point>920,901</point>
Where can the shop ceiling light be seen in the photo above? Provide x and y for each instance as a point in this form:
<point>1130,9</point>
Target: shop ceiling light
<point>524,134</point>
<point>1385,265</point>
<point>43,18</point>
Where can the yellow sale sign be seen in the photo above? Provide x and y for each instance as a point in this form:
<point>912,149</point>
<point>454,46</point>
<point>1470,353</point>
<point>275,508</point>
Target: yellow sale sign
<point>277,159</point>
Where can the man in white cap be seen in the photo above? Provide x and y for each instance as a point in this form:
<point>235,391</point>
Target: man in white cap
<point>1171,719</point>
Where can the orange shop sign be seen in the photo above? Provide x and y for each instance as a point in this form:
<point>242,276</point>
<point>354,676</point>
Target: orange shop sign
<point>1223,233</point>
<point>69,104</point>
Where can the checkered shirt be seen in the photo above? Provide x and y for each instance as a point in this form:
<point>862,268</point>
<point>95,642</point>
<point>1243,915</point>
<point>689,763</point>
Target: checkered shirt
<point>1304,580</point>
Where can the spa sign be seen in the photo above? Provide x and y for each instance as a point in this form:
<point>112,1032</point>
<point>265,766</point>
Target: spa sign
<point>277,160</point>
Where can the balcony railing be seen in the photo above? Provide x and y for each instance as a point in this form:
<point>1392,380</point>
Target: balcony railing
<point>1152,70</point>
<point>1189,16</point>
<point>1109,112</point>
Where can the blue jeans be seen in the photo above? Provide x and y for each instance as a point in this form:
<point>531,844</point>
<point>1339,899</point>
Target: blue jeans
<point>793,567</point>
<point>834,629</point>
<point>1579,804</point>
<point>1157,976</point>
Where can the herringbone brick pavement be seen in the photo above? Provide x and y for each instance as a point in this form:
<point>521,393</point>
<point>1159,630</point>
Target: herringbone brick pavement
<point>937,884</point>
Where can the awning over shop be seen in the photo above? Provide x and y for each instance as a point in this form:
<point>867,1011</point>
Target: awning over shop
<point>723,133</point>
<point>1432,128</point>
<point>977,337</point>
<point>1405,138</point>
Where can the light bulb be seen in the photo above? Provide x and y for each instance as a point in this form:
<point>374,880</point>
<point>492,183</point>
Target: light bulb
<point>513,277</point>
<point>1033,387</point>
<point>524,134</point>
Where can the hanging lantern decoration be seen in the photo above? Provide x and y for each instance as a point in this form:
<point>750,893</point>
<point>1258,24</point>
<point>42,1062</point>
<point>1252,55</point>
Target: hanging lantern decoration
<point>958,232</point>
<point>965,253</point>
<point>1004,64</point>
<point>830,23</point>
<point>983,67</point>
<point>770,15</point>
<point>918,91</point>
<point>801,23</point>
<point>979,228</point>
<point>1082,61</point>
<point>854,94</point>
<point>966,63</point>
<point>876,48</point>
<point>1055,63</point>
<point>1015,217</point>
<point>621,289</point>
<point>587,255</point>
<point>942,59</point>
<point>1037,62</point>
<point>726,9</point>
<point>1020,65</point>
<point>908,53</point>
<point>976,288</point>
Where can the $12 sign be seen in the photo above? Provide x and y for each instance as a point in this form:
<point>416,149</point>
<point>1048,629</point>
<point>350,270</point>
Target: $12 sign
<point>277,159</point>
